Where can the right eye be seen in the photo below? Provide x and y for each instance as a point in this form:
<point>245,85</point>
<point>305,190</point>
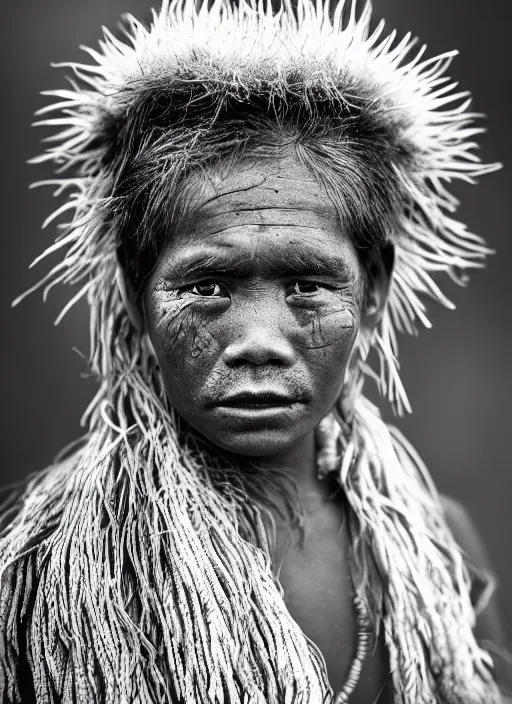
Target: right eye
<point>208,289</point>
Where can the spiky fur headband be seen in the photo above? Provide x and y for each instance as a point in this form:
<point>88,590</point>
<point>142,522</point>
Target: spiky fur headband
<point>164,549</point>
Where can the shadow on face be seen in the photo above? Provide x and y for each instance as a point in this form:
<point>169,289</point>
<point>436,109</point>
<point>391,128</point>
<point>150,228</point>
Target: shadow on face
<point>254,306</point>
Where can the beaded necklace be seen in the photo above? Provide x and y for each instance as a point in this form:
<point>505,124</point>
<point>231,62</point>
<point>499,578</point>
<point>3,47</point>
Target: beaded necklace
<point>363,641</point>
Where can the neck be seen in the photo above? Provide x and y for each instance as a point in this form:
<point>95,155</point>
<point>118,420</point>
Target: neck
<point>299,464</point>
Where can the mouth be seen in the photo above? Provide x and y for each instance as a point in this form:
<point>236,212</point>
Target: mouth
<point>258,400</point>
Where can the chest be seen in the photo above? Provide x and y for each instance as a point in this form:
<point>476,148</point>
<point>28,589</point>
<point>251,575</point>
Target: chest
<point>318,594</point>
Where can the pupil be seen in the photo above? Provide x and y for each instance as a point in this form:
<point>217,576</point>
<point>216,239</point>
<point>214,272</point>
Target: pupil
<point>207,289</point>
<point>306,286</point>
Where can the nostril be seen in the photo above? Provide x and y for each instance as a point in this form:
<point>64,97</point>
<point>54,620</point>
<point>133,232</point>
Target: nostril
<point>257,349</point>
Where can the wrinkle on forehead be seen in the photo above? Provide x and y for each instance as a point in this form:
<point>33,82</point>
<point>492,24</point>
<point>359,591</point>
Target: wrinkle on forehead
<point>207,229</point>
<point>267,192</point>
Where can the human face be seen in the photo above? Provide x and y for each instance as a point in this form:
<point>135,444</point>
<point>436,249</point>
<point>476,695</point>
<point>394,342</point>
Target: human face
<point>254,306</point>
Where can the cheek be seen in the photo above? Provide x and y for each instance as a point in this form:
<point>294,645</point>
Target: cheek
<point>329,326</point>
<point>325,340</point>
<point>182,340</point>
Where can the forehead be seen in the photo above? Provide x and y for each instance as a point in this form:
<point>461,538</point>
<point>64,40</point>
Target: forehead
<point>259,209</point>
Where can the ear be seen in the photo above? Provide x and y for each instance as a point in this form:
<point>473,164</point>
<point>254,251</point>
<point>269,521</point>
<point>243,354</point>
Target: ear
<point>380,270</point>
<point>129,299</point>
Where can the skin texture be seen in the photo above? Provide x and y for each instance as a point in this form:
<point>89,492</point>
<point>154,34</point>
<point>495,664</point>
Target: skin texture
<point>236,303</point>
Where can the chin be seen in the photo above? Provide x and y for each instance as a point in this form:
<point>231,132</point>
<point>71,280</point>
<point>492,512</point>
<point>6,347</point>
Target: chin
<point>257,443</point>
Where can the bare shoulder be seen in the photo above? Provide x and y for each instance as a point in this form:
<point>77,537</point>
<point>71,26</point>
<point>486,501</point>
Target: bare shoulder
<point>465,532</point>
<point>489,629</point>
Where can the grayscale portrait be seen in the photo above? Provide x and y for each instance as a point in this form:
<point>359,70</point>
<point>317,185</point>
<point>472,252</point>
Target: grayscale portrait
<point>256,206</point>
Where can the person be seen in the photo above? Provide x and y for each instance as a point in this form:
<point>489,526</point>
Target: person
<point>259,199</point>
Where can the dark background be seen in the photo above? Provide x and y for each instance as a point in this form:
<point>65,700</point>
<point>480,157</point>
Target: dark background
<point>457,375</point>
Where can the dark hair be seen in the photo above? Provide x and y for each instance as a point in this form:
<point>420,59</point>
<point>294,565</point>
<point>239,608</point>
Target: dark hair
<point>163,141</point>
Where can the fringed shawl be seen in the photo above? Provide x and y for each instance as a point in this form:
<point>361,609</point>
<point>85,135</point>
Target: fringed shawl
<point>135,583</point>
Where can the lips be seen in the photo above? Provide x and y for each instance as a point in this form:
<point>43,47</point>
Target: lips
<point>258,399</point>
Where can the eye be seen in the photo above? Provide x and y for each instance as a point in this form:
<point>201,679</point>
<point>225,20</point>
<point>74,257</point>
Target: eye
<point>305,287</point>
<point>208,289</point>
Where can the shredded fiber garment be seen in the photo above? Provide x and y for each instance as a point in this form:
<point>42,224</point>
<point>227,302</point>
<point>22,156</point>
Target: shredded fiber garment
<point>139,571</point>
<point>131,582</point>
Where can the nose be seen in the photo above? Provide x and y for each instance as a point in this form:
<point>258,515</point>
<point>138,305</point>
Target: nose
<point>259,343</point>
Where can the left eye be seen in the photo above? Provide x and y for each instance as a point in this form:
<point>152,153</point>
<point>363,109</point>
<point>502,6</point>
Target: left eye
<point>305,287</point>
<point>207,289</point>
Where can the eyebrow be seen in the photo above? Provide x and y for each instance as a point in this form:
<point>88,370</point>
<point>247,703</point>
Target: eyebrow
<point>298,262</point>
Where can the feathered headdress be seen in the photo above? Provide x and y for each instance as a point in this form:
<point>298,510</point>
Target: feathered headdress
<point>171,602</point>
